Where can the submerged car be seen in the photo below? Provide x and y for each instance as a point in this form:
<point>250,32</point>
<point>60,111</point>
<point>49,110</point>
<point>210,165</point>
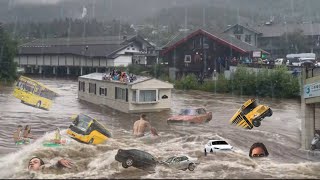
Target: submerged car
<point>180,162</point>
<point>136,158</point>
<point>250,114</point>
<point>88,130</point>
<point>191,115</point>
<point>216,145</point>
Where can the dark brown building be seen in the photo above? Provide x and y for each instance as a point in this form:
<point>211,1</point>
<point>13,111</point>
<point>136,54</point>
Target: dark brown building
<point>202,52</point>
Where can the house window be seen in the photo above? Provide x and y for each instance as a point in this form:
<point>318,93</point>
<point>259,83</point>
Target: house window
<point>105,91</point>
<point>248,39</point>
<point>102,91</point>
<point>121,93</point>
<point>238,36</point>
<point>92,88</point>
<point>187,58</point>
<point>81,86</point>
<point>134,96</point>
<point>148,96</point>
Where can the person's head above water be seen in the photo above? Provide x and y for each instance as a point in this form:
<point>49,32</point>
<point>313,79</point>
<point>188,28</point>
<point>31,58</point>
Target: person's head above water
<point>20,127</point>
<point>143,116</point>
<point>35,164</point>
<point>27,128</point>
<point>258,150</point>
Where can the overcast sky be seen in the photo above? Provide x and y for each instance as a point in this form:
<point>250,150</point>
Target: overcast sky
<point>36,1</point>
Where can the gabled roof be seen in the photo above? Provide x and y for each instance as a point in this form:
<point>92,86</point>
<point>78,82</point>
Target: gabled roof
<point>244,26</point>
<point>224,39</point>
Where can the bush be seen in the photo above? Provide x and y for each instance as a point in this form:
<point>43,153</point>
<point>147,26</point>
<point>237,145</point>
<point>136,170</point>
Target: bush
<point>187,82</point>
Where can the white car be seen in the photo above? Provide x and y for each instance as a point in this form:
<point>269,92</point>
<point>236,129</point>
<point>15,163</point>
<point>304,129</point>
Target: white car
<point>181,163</point>
<point>216,145</point>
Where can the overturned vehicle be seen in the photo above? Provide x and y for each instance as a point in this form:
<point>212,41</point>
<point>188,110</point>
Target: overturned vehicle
<point>250,114</point>
<point>88,130</point>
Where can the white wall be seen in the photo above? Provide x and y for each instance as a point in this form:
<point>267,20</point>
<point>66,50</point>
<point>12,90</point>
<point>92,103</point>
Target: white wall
<point>32,60</point>
<point>136,49</point>
<point>69,60</point>
<point>124,60</point>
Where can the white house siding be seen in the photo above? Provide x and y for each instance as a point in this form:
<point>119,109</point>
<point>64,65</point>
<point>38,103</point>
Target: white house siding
<point>23,60</point>
<point>123,60</point>
<point>40,60</point>
<point>164,88</point>
<point>98,99</point>
<point>76,60</point>
<point>47,60</point>
<point>69,60</point>
<point>83,61</point>
<point>32,60</point>
<point>110,63</point>
<point>95,62</point>
<point>162,104</point>
<point>54,60</point>
<point>103,62</point>
<point>62,60</point>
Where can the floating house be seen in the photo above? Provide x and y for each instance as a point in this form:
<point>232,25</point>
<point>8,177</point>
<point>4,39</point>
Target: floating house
<point>143,94</point>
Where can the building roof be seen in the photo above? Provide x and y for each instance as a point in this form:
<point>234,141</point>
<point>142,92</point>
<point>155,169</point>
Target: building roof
<point>105,46</point>
<point>276,30</point>
<point>81,50</point>
<point>99,77</point>
<point>79,41</point>
<point>244,26</point>
<point>140,79</point>
<point>225,39</point>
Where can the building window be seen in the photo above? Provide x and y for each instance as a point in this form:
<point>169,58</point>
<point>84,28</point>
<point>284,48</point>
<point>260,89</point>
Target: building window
<point>81,86</point>
<point>134,96</point>
<point>92,88</point>
<point>238,30</point>
<point>238,36</point>
<point>248,39</point>
<point>187,58</point>
<point>121,93</point>
<point>105,91</point>
<point>148,96</point>
<point>102,91</point>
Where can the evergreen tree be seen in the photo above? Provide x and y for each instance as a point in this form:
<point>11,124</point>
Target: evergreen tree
<point>8,49</point>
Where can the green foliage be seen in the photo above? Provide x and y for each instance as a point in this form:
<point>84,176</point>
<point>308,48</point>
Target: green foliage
<point>187,82</point>
<point>8,49</point>
<point>277,83</point>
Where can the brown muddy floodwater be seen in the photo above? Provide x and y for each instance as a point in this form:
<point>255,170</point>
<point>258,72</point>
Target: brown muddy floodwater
<point>280,133</point>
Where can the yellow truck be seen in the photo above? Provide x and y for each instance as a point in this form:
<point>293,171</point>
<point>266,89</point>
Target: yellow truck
<point>250,114</point>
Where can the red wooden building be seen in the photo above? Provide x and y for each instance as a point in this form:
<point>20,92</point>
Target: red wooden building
<point>202,52</point>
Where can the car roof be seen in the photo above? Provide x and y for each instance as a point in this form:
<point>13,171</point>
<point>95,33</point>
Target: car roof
<point>217,140</point>
<point>193,108</point>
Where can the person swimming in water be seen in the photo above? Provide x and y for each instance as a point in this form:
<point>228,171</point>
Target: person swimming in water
<point>141,125</point>
<point>27,132</point>
<point>57,136</point>
<point>37,164</point>
<point>17,135</point>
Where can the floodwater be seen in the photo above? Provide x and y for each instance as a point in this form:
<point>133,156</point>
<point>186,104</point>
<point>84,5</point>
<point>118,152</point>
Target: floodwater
<point>280,133</point>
